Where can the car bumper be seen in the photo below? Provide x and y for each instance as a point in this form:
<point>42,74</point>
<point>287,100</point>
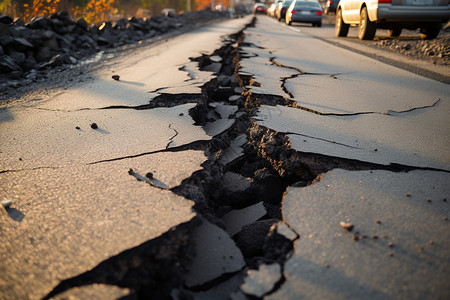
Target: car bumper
<point>413,13</point>
<point>306,18</point>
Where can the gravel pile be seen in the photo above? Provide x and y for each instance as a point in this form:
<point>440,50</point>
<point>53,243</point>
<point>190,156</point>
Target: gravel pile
<point>437,50</point>
<point>27,50</point>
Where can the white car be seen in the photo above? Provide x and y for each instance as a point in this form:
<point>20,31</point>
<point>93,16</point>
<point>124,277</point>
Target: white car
<point>393,15</point>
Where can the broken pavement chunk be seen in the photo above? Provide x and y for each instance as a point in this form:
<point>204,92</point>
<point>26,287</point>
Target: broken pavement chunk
<point>260,282</point>
<point>235,219</point>
<point>216,255</point>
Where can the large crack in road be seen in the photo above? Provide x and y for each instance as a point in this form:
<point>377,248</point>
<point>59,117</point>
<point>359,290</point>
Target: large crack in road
<point>239,232</point>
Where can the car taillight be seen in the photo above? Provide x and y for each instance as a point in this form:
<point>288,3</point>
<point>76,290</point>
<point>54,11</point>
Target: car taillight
<point>293,11</point>
<point>319,13</point>
<point>384,1</point>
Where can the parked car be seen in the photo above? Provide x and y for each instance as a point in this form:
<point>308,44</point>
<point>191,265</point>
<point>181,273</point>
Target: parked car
<point>168,12</point>
<point>259,8</point>
<point>305,11</point>
<point>393,15</point>
<point>271,10</point>
<point>330,6</point>
<point>282,8</point>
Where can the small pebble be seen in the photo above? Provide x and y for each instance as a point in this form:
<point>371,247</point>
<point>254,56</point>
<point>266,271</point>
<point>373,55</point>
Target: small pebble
<point>181,114</point>
<point>6,203</point>
<point>445,218</point>
<point>429,200</point>
<point>149,175</point>
<point>78,127</point>
<point>378,222</point>
<point>347,226</point>
<point>374,236</point>
<point>94,126</point>
<point>375,149</point>
<point>408,194</point>
<point>390,245</point>
<point>116,77</point>
<point>391,254</point>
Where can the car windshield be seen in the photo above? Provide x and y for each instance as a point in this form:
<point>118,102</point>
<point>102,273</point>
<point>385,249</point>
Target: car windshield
<point>299,4</point>
<point>287,3</point>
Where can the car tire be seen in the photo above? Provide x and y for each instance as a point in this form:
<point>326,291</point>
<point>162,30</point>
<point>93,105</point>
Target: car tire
<point>319,24</point>
<point>431,31</point>
<point>340,27</point>
<point>366,28</point>
<point>289,23</point>
<point>394,32</point>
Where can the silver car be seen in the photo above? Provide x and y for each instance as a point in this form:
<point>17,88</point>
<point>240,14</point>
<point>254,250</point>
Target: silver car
<point>304,11</point>
<point>393,15</point>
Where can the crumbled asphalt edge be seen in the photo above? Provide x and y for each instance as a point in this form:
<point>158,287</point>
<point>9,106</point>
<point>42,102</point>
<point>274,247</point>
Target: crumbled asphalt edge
<point>267,160</point>
<point>15,86</point>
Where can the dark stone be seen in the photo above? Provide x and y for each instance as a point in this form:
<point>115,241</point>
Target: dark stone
<point>82,24</point>
<point>5,19</point>
<point>7,64</point>
<point>19,22</point>
<point>21,44</point>
<point>39,23</point>
<point>70,60</point>
<point>116,77</point>
<point>43,54</point>
<point>94,126</point>
<point>101,41</point>
<point>4,29</point>
<point>52,44</point>
<point>18,57</point>
<point>29,63</point>
<point>157,19</point>
<point>56,61</point>
<point>21,31</point>
<point>121,24</point>
<point>48,34</point>
<point>252,237</point>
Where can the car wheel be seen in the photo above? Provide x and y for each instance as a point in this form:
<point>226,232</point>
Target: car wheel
<point>367,28</point>
<point>319,24</point>
<point>289,23</point>
<point>394,32</point>
<point>431,31</point>
<point>340,27</point>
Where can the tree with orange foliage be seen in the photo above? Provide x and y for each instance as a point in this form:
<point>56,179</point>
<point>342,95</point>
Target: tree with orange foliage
<point>40,8</point>
<point>96,11</point>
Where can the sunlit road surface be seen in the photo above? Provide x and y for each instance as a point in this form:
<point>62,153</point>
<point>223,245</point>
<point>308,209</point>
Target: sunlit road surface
<point>72,207</point>
<point>357,108</point>
<point>378,136</point>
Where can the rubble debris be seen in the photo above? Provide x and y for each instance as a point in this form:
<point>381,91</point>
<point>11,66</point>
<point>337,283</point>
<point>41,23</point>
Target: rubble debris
<point>6,203</point>
<point>260,282</point>
<point>347,226</point>
<point>252,237</point>
<point>116,77</point>
<point>236,219</point>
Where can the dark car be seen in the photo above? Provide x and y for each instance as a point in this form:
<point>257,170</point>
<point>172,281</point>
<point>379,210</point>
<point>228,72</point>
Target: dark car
<point>330,7</point>
<point>282,8</point>
<point>259,9</point>
<point>304,11</point>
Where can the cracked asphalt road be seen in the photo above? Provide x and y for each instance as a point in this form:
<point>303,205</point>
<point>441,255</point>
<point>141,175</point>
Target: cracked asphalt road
<point>223,164</point>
